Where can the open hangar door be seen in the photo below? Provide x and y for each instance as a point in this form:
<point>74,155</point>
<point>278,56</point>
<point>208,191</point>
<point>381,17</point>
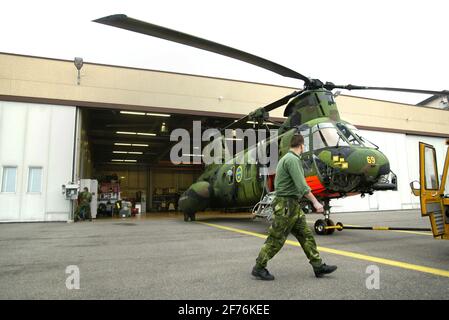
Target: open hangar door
<point>128,153</point>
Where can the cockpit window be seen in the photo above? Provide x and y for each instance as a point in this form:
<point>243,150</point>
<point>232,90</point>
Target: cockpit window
<point>327,135</point>
<point>329,97</point>
<point>352,139</point>
<point>354,136</point>
<point>307,101</point>
<point>305,131</point>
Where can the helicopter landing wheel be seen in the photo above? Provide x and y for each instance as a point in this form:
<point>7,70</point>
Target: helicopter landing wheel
<point>330,223</point>
<point>320,227</point>
<point>189,217</point>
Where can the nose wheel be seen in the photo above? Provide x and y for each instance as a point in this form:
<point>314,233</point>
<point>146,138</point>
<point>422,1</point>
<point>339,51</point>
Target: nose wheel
<point>322,224</point>
<point>320,227</point>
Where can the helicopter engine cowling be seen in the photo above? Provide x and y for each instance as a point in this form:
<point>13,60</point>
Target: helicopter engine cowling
<point>196,198</point>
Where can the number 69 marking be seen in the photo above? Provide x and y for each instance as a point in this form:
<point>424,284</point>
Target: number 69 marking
<point>371,160</point>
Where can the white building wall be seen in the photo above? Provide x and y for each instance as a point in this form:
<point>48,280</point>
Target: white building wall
<point>403,153</point>
<point>36,135</point>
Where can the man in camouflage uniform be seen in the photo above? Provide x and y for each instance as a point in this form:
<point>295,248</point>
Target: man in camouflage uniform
<point>290,187</point>
<point>84,200</point>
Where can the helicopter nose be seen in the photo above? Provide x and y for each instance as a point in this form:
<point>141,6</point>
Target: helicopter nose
<point>369,162</point>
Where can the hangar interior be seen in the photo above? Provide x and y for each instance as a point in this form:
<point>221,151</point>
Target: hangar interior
<point>129,152</point>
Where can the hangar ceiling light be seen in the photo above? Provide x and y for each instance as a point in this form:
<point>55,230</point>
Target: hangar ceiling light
<point>158,114</point>
<point>137,113</point>
<point>131,144</point>
<point>146,134</point>
<point>137,133</point>
<point>133,112</point>
<point>128,152</point>
<point>139,145</point>
<point>121,160</point>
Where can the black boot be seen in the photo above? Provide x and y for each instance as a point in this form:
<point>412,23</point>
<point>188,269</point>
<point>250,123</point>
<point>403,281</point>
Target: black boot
<point>262,273</point>
<point>323,269</point>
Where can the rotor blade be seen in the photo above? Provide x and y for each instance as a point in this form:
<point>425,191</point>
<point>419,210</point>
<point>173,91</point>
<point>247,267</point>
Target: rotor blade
<point>125,22</point>
<point>267,108</point>
<point>330,86</point>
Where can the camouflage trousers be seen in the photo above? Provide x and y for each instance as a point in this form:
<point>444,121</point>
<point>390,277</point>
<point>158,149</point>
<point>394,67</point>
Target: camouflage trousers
<point>83,211</point>
<point>288,218</point>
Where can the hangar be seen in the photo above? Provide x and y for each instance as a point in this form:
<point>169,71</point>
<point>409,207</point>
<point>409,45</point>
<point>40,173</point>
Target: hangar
<point>113,124</point>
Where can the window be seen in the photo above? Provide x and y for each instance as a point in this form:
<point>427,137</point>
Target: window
<point>430,169</point>
<point>326,135</point>
<point>353,135</point>
<point>9,179</point>
<point>329,97</point>
<point>318,140</point>
<point>35,180</point>
<point>305,133</point>
<point>307,101</point>
<point>306,143</point>
<point>352,138</point>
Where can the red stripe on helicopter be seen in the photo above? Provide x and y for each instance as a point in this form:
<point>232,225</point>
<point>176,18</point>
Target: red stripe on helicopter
<point>317,187</point>
<point>315,184</point>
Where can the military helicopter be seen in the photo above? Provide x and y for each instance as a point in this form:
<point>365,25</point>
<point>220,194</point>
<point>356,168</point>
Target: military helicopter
<point>338,161</point>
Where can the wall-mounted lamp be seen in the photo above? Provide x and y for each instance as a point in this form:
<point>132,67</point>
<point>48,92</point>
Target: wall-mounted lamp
<point>78,64</point>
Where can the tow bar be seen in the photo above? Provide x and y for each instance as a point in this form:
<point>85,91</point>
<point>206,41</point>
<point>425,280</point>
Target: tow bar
<point>339,226</point>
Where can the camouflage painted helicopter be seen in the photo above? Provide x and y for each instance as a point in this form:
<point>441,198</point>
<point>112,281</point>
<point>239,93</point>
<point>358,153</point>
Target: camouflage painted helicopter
<point>338,161</point>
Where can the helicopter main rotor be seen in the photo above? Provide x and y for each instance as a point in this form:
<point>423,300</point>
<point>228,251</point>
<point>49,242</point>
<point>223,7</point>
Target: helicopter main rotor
<point>124,22</point>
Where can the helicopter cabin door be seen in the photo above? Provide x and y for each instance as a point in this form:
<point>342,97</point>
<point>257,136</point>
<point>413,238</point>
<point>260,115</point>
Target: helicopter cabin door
<point>431,193</point>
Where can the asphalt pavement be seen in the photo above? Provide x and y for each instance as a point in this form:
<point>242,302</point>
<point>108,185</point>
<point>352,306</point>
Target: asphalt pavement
<point>163,257</point>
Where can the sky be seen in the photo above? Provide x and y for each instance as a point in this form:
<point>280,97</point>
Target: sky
<point>374,43</point>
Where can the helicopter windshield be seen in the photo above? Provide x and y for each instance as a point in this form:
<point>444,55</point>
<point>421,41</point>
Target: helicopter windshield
<point>354,137</point>
<point>329,97</point>
<point>327,135</point>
